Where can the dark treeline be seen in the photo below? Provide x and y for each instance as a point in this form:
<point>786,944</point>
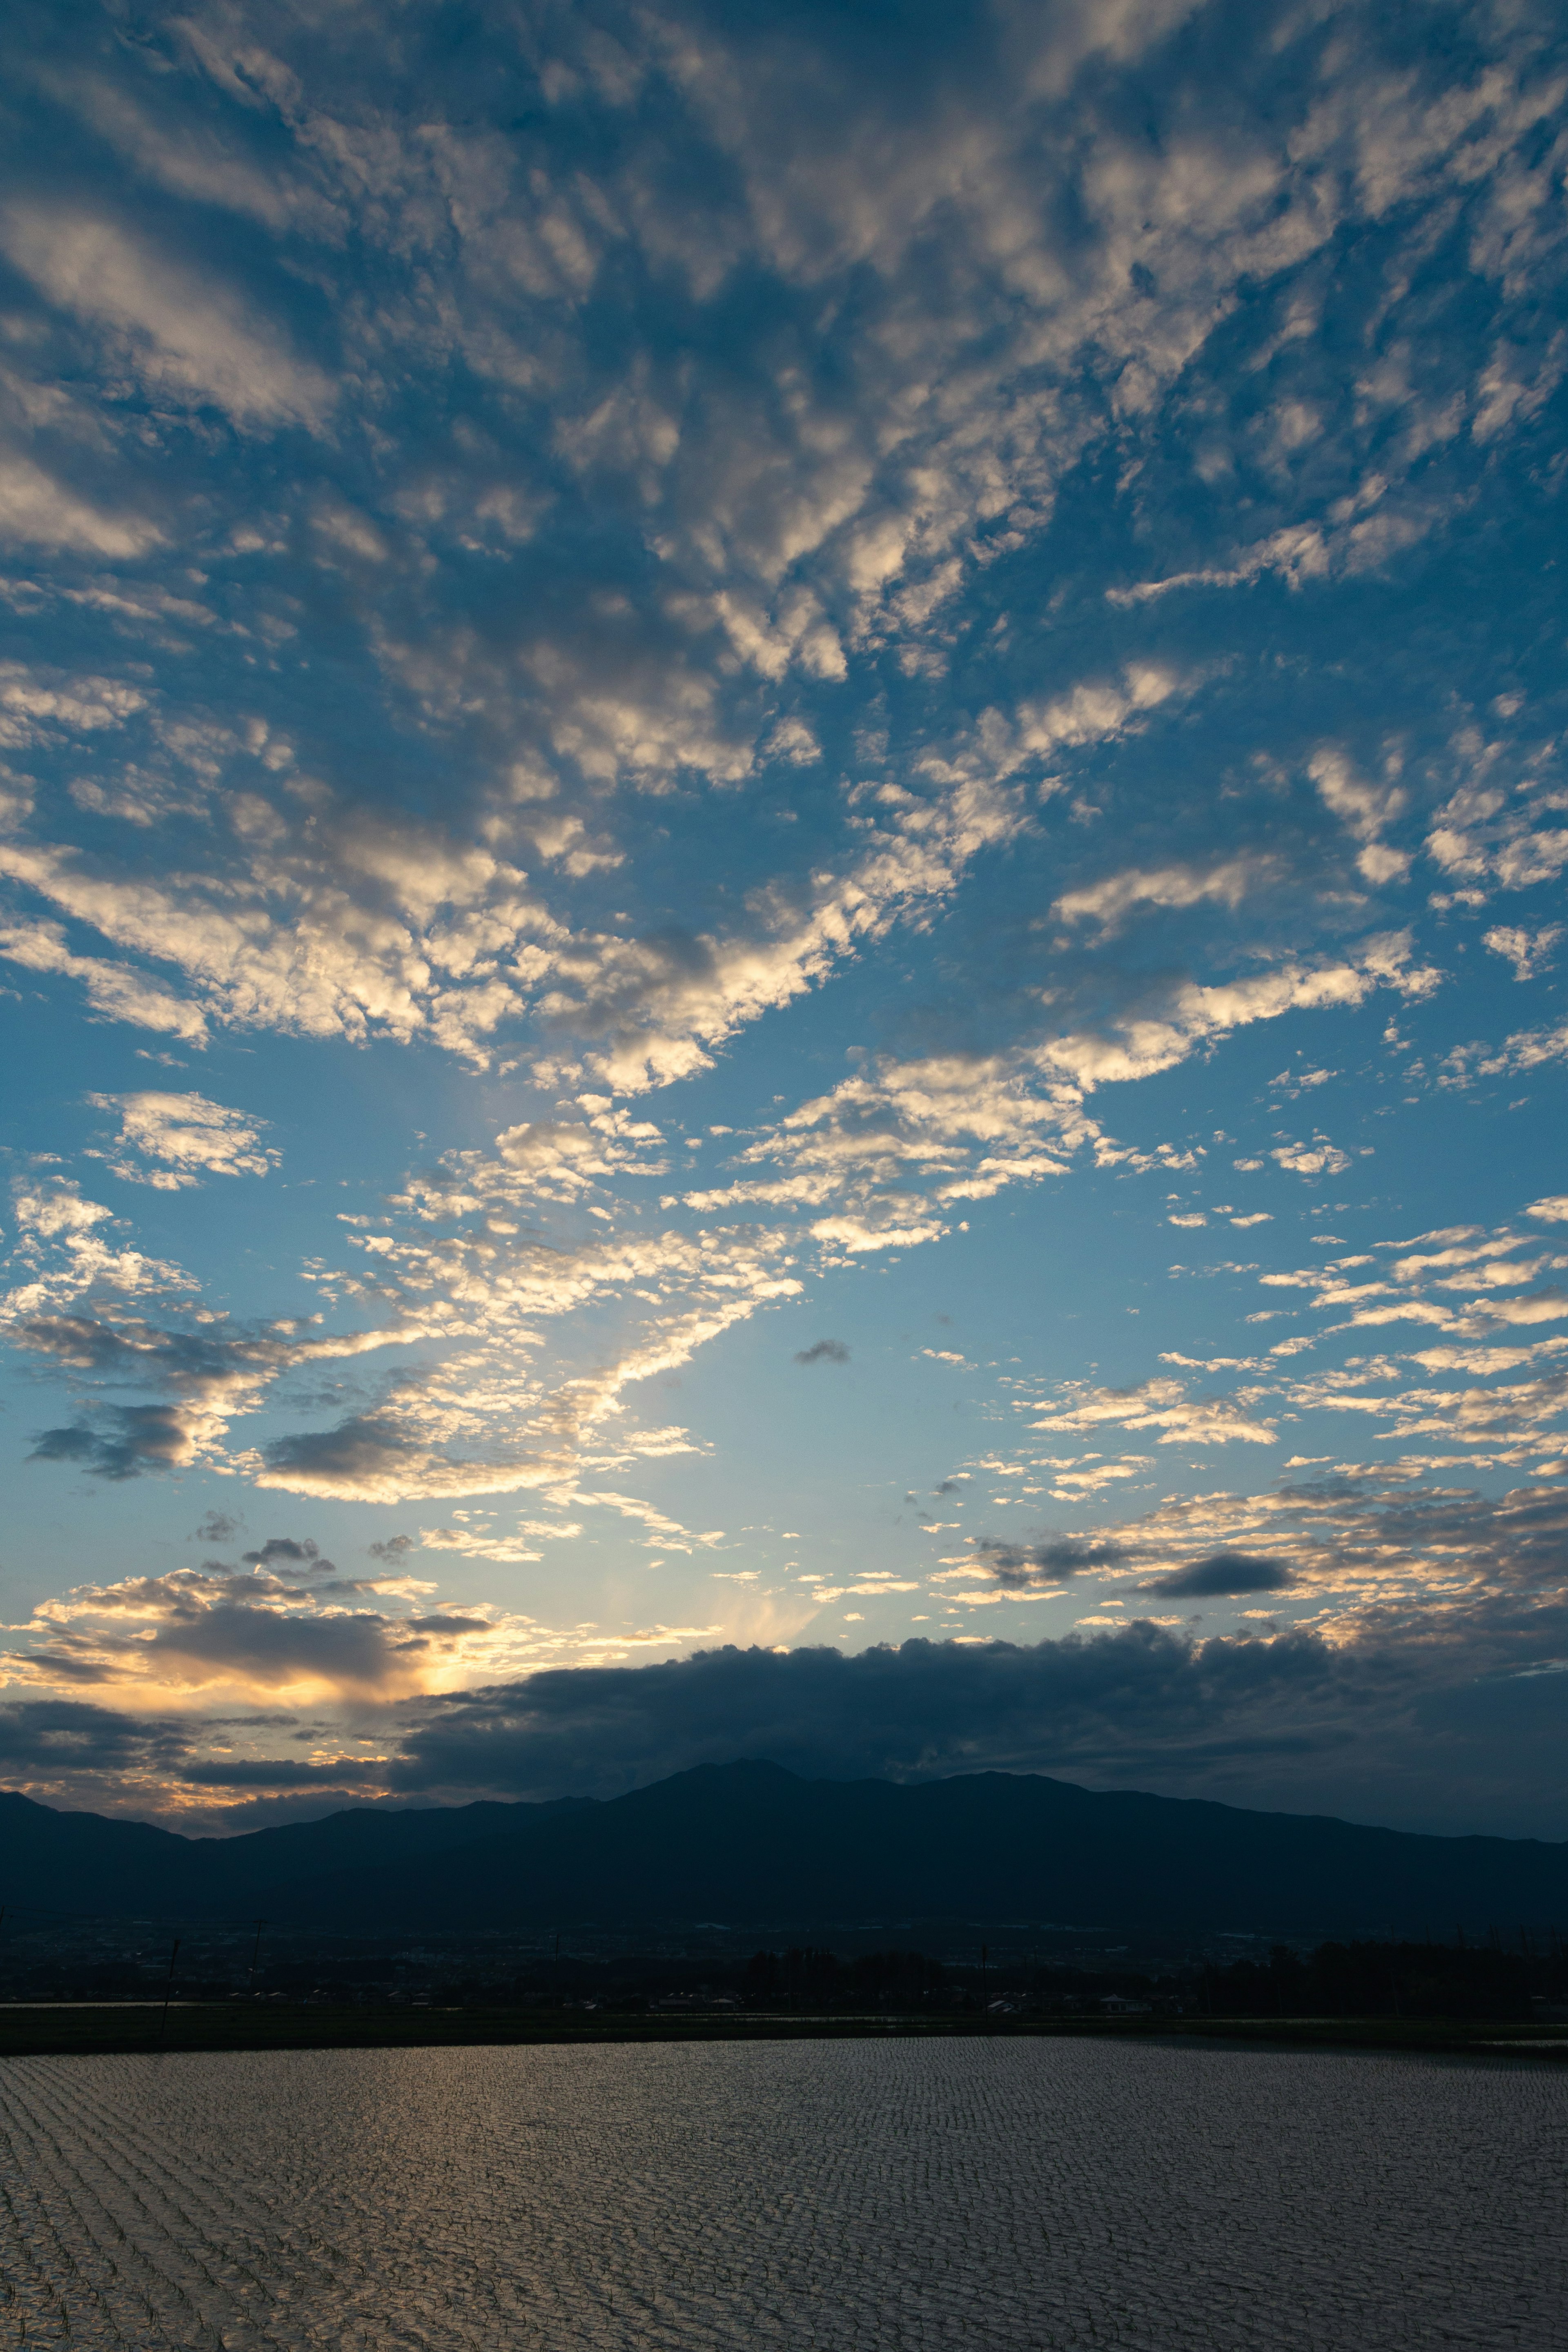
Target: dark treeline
<point>1392,1980</point>
<point>1370,1979</point>
<point>879,1978</point>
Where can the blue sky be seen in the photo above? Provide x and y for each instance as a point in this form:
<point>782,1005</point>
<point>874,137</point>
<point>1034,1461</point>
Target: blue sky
<point>781,895</point>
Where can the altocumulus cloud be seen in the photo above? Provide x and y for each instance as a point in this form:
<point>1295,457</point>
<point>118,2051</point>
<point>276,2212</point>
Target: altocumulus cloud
<point>1016,1565</point>
<point>752,647</point>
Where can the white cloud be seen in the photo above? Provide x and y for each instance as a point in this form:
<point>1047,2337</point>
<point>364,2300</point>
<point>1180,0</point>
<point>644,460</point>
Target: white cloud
<point>38,511</point>
<point>1163,1404</point>
<point>185,333</point>
<point>1364,808</point>
<point>1319,1157</point>
<point>171,1140</point>
<point>36,707</point>
<point>1141,1044</point>
<point>115,991</point>
<point>1526,950</point>
<point>780,548</point>
<point>1109,903</point>
<point>256,1635</point>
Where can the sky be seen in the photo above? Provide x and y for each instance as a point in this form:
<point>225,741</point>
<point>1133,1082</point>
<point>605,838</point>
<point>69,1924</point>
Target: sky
<point>782,844</point>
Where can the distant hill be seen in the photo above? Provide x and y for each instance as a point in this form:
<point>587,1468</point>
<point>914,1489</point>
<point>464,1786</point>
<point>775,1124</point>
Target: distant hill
<point>750,1843</point>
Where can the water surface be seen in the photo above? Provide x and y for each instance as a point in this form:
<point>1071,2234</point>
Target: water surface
<point>1037,2194</point>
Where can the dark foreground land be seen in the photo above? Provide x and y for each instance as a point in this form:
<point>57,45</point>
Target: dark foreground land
<point>85,2028</point>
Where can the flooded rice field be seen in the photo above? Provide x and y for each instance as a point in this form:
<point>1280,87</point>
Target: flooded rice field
<point>1036,2194</point>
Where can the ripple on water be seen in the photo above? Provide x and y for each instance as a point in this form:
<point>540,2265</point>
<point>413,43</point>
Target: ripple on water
<point>1036,2194</point>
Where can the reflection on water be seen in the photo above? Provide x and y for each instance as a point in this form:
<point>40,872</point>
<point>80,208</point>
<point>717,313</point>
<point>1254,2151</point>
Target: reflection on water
<point>846,2194</point>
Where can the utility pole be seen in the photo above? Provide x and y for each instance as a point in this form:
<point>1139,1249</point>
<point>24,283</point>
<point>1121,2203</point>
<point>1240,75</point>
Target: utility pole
<point>168,1987</point>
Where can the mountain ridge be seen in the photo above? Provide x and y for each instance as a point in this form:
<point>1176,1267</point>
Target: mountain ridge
<point>751,1841</point>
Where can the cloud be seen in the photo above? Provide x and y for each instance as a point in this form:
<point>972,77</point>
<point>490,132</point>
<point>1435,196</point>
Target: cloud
<point>260,1629</point>
<point>1108,902</point>
<point>184,1135</point>
<point>116,991</point>
<point>343,1776</point>
<point>378,931</point>
<point>649,1010</point>
<point>194,163</point>
<point>1527,951</point>
<point>910,1711</point>
<point>123,1442</point>
<point>757,628</point>
<point>1365,810</point>
<point>1319,1157</point>
<point>1372,1730</point>
<point>285,1552</point>
<point>92,1311</point>
<point>1224,1574</point>
<point>1162,1403</point>
<point>188,335</point>
<point>824,1351</point>
<point>36,511</point>
<point>1015,1566</point>
<point>386,1459</point>
<point>57,1737</point>
<point>1160,1035</point>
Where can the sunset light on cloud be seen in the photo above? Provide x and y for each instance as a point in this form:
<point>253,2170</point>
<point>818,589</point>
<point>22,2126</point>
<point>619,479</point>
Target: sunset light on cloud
<point>783,818</point>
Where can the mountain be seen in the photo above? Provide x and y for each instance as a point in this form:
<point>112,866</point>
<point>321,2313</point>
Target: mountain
<point>750,1843</point>
<point>88,1863</point>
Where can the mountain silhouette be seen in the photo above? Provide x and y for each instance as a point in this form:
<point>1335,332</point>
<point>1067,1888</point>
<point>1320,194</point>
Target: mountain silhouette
<point>750,1843</point>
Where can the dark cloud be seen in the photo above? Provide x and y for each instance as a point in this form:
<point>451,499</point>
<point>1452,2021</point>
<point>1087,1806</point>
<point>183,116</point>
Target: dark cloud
<point>70,1754</point>
<point>1139,1698</point>
<point>950,1486</point>
<point>269,1722</point>
<point>217,1527</point>
<point>356,1450</point>
<point>1396,1726</point>
<point>274,1773</point>
<point>369,1457</point>
<point>361,1651</point>
<point>53,1735</point>
<point>393,1549</point>
<point>1446,1722</point>
<point>121,1441</point>
<point>823,1351</point>
<point>1224,1573</point>
<point>188,1361</point>
<point>283,1552</point>
<point>1014,1565</point>
<point>208,1625</point>
<point>74,1442</point>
